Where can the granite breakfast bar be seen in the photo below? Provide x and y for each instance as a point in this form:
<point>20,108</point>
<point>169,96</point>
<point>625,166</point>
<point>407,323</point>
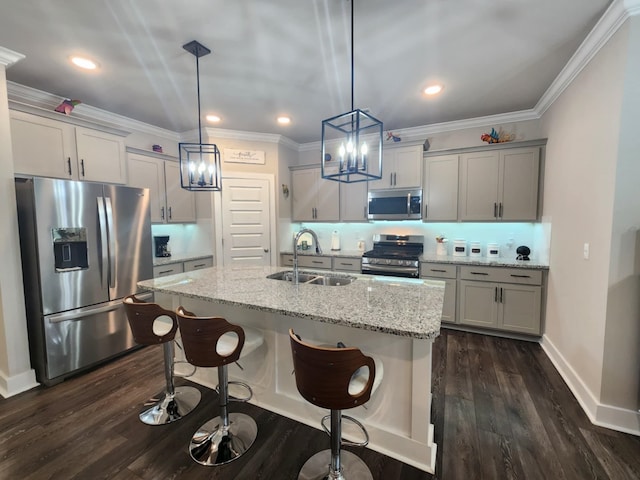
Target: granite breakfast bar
<point>393,320</point>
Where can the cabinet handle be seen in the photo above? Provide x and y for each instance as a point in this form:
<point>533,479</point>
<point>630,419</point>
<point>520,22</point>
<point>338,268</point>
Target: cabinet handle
<point>346,264</point>
<point>316,261</point>
<point>162,213</point>
<point>500,211</point>
<point>438,270</point>
<point>169,213</point>
<point>495,209</point>
<point>520,276</point>
<point>82,166</point>
<point>501,295</point>
<point>391,179</point>
<point>200,265</point>
<point>478,273</point>
<point>69,165</point>
<point>425,210</point>
<point>165,271</point>
<point>395,179</point>
<point>495,294</point>
<point>365,212</point>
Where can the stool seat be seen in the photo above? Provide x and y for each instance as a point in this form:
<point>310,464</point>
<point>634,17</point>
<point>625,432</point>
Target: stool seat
<point>336,378</point>
<point>214,342</point>
<point>152,325</point>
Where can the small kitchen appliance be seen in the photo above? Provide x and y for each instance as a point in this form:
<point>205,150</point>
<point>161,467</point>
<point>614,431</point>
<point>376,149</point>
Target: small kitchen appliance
<point>493,250</point>
<point>459,248</point>
<point>162,246</point>
<point>523,252</point>
<point>474,249</point>
<point>397,255</point>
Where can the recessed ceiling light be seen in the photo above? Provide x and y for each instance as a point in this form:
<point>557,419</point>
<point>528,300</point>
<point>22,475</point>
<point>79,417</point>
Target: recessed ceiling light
<point>84,62</point>
<point>284,120</point>
<point>433,89</point>
<point>213,118</point>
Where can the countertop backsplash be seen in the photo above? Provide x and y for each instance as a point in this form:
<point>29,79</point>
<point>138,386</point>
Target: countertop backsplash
<point>508,236</point>
<point>185,238</point>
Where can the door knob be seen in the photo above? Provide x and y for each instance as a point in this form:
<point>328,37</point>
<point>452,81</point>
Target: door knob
<point>266,250</point>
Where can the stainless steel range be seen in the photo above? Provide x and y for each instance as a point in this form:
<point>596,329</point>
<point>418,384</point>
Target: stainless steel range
<point>396,255</point>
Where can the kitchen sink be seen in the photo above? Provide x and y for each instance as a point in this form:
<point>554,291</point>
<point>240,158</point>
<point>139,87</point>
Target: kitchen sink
<point>313,278</point>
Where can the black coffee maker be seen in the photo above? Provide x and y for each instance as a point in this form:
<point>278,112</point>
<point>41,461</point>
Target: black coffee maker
<point>162,246</point>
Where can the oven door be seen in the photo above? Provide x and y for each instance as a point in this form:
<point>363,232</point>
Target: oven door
<point>395,204</point>
<point>391,270</point>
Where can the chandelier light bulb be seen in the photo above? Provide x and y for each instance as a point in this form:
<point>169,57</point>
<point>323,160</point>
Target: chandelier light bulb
<point>350,147</point>
<point>364,149</point>
<point>341,150</point>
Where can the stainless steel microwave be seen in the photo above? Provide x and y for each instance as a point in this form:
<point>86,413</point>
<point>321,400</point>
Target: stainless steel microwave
<point>396,204</point>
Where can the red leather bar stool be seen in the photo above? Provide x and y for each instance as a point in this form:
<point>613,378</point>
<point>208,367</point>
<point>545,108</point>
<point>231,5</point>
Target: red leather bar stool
<point>152,325</point>
<point>331,378</point>
<point>214,342</point>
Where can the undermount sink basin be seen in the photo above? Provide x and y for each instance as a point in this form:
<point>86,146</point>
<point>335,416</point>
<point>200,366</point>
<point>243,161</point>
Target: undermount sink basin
<point>313,278</point>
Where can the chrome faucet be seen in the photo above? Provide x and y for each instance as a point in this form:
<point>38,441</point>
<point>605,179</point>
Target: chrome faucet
<point>295,250</point>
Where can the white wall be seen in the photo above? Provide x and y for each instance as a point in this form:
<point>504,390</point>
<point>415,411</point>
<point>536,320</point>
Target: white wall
<point>621,369</point>
<point>16,374</point>
<point>583,128</point>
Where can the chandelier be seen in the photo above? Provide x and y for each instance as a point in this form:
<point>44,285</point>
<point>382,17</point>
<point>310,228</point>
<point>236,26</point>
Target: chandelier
<point>199,162</point>
<point>349,141</point>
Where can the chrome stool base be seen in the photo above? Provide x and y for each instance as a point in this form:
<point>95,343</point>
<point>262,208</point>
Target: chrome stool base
<point>167,408</point>
<point>214,444</point>
<point>318,466</point>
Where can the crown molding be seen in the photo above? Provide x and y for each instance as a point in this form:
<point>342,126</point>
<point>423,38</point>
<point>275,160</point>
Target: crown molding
<point>27,99</point>
<point>9,57</point>
<point>241,135</point>
<point>413,134</point>
<point>607,26</point>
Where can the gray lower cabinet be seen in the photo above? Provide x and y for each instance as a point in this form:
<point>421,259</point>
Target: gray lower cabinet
<point>447,274</point>
<point>513,307</point>
<point>323,262</point>
<point>180,267</point>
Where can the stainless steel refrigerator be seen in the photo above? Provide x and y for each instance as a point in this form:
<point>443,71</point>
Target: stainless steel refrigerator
<point>84,247</point>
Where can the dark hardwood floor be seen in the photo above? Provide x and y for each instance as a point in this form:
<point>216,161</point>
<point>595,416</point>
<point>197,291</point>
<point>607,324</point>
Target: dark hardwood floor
<point>500,410</point>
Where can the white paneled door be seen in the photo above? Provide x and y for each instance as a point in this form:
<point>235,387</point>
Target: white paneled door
<point>245,222</point>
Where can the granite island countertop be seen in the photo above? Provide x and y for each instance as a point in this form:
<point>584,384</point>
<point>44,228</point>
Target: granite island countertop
<point>398,306</point>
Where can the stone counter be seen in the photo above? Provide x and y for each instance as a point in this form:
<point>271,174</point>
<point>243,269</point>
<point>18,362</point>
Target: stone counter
<point>484,261</point>
<point>397,306</point>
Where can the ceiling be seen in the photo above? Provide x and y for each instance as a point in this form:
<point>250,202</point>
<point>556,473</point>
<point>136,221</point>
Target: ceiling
<point>292,57</point>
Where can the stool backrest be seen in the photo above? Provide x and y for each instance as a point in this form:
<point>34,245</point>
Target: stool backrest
<point>323,374</point>
<point>142,316</point>
<point>200,336</point>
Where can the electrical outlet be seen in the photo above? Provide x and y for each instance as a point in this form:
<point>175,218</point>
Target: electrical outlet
<point>585,251</point>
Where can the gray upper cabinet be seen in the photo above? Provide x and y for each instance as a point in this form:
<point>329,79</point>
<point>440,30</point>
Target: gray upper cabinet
<point>499,185</point>
<point>440,188</point>
<point>313,198</point>
<point>401,168</point>
<point>353,202</point>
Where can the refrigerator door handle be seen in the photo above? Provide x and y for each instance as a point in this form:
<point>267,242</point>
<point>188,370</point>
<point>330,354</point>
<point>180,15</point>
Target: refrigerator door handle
<point>112,243</point>
<point>103,249</point>
<point>80,313</point>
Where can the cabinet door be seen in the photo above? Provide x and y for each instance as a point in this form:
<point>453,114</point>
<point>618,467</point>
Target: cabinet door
<point>170,269</point>
<point>327,199</point>
<point>388,169</point>
<point>519,184</point>
<point>191,265</point>
<point>478,303</point>
<point>353,202</point>
<point>42,147</point>
<point>408,167</point>
<point>441,188</point>
<point>479,174</point>
<point>101,156</point>
<point>303,197</point>
<point>148,172</point>
<point>181,203</point>
<point>519,308</point>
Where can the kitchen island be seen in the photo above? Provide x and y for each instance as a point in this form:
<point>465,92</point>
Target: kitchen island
<point>391,319</point>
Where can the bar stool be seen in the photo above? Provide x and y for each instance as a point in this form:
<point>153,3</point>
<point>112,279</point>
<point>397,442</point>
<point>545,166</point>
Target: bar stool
<point>214,342</point>
<point>151,325</point>
<point>328,377</point>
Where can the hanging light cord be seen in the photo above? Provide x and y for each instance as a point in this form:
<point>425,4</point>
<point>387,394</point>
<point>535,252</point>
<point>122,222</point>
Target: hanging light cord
<point>352,54</point>
<point>198,89</point>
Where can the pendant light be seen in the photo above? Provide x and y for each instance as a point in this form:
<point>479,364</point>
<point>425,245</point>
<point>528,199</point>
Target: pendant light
<point>199,162</point>
<point>349,142</point>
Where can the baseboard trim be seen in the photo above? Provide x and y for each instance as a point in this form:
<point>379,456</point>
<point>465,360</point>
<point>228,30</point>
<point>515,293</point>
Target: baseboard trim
<point>10,386</point>
<point>607,416</point>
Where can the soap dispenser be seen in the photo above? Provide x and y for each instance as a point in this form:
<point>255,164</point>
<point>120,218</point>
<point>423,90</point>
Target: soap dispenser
<point>335,241</point>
